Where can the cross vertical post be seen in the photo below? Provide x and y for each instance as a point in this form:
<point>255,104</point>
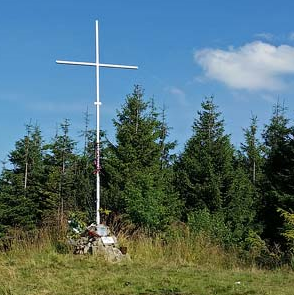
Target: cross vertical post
<point>97,64</point>
<point>97,129</point>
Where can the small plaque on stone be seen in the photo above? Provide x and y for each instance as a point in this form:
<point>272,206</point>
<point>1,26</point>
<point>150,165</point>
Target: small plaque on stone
<point>107,240</point>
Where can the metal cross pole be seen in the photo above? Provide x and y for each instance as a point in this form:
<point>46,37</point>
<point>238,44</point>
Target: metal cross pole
<point>97,64</point>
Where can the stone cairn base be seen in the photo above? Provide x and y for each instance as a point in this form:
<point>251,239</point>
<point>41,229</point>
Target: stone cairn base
<point>97,240</point>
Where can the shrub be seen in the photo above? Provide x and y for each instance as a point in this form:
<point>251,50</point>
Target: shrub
<point>213,224</point>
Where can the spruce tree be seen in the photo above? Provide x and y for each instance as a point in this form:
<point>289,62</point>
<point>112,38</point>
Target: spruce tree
<point>133,171</point>
<point>61,165</point>
<point>204,169</point>
<point>22,192</point>
<point>240,208</point>
<point>252,160</point>
<point>278,169</point>
<point>252,152</point>
<point>85,179</point>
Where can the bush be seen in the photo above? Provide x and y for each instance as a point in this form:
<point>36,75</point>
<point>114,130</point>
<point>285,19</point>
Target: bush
<point>61,247</point>
<point>212,224</point>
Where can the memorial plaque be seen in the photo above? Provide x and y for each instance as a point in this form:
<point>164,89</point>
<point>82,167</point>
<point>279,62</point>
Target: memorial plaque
<point>107,240</point>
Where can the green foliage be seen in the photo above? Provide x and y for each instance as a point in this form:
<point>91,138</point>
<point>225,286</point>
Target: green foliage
<point>147,204</point>
<point>60,165</point>
<point>136,175</point>
<point>231,196</point>
<point>255,243</point>
<point>258,252</point>
<point>252,151</point>
<point>278,169</point>
<point>183,266</point>
<point>213,224</point>
<point>22,195</point>
<point>61,247</point>
<point>288,231</point>
<point>240,208</point>
<point>204,169</point>
<point>76,224</point>
<point>213,182</point>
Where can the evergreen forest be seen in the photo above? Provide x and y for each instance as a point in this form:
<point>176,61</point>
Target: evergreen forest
<point>240,198</point>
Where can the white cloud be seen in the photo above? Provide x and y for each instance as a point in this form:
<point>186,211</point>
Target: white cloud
<point>265,36</point>
<point>254,66</point>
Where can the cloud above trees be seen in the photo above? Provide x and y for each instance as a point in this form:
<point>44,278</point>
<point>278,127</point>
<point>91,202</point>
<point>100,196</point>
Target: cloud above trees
<point>254,66</point>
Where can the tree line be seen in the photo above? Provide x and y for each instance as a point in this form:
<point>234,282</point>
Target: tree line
<point>239,196</point>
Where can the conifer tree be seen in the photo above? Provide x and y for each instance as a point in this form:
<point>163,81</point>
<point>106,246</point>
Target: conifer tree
<point>133,170</point>
<point>240,208</point>
<point>278,169</point>
<point>61,164</point>
<point>85,180</point>
<point>252,151</point>
<point>22,193</point>
<point>204,169</point>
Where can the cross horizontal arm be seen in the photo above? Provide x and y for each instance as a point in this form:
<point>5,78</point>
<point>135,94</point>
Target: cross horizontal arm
<point>118,66</point>
<point>76,63</point>
<point>82,63</point>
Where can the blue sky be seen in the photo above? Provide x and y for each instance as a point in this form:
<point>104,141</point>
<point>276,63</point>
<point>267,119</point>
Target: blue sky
<point>242,52</point>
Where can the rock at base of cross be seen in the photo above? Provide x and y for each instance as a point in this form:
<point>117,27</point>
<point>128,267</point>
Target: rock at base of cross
<point>107,245</point>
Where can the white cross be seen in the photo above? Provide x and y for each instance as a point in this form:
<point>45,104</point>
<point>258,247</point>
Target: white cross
<point>97,64</point>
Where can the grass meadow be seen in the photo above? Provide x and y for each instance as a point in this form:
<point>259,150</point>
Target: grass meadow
<point>182,264</point>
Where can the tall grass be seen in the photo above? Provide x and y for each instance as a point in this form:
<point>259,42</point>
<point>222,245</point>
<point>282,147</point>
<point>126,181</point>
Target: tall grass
<point>178,246</point>
<point>174,262</point>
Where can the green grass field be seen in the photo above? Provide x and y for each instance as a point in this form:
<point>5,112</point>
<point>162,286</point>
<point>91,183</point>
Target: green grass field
<point>51,273</point>
<point>177,268</point>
